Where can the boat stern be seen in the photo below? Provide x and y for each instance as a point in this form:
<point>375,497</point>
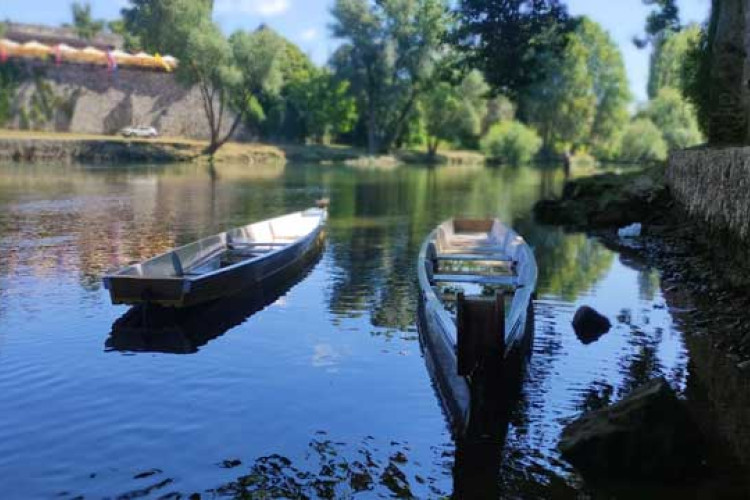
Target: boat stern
<point>130,290</point>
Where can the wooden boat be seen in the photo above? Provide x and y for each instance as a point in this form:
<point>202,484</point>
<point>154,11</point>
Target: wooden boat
<point>476,278</point>
<point>220,265</point>
<point>148,328</point>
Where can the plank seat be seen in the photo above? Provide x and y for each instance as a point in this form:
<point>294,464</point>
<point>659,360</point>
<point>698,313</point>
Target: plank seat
<point>256,247</point>
<point>476,279</point>
<point>462,257</point>
<point>477,250</point>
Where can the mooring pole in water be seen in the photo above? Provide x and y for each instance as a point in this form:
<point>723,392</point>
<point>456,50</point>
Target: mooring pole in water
<point>481,331</point>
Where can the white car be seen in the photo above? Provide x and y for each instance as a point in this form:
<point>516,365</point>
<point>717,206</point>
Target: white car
<point>139,132</point>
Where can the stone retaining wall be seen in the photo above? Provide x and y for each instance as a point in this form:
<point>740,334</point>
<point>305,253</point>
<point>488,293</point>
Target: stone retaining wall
<point>714,185</point>
<point>89,99</point>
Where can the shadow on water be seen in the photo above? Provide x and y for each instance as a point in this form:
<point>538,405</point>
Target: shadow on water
<point>149,328</point>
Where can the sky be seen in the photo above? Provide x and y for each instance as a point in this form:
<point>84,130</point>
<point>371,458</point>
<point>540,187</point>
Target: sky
<point>305,22</point>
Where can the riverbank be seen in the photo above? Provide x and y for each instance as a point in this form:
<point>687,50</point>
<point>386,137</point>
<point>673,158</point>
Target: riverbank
<point>28,146</point>
<point>704,275</point>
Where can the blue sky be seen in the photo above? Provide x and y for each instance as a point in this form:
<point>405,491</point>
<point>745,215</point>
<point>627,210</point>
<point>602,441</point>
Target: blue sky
<point>306,22</point>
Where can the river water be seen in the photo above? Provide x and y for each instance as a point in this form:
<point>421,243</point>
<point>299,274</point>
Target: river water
<point>323,392</point>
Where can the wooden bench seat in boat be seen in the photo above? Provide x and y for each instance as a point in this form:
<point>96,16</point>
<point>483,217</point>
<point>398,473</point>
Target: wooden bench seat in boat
<point>463,257</point>
<point>476,279</point>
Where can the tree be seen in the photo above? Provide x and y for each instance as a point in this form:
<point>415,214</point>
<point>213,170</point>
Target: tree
<point>85,26</point>
<point>669,58</point>
<point>163,25</point>
<point>642,142</point>
<point>228,73</point>
<point>660,22</point>
<point>509,39</point>
<point>727,84</point>
<point>583,99</point>
<point>675,117</point>
<point>311,103</point>
<point>454,112</point>
<point>389,54</point>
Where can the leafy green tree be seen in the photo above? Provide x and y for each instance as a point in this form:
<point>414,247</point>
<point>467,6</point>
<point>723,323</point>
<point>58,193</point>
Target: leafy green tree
<point>163,25</point>
<point>389,55</point>
<point>696,78</point>
<point>228,73</point>
<point>83,23</point>
<point>509,39</point>
<point>584,98</point>
<point>511,142</point>
<point>454,112</point>
<point>675,117</point>
<point>323,105</point>
<point>669,58</point>
<point>499,109</point>
<point>642,141</point>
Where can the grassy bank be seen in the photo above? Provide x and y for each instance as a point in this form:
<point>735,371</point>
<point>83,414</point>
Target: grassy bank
<point>30,146</point>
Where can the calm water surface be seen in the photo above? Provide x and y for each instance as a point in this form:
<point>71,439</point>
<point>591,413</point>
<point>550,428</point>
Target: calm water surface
<point>322,393</point>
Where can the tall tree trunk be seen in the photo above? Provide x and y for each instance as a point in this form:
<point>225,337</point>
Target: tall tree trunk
<point>219,142</point>
<point>729,94</point>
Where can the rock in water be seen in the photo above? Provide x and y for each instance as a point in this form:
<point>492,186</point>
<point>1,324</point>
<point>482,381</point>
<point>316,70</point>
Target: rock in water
<point>648,435</point>
<point>589,325</point>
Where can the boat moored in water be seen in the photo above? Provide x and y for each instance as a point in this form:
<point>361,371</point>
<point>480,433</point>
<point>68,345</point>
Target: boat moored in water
<point>476,279</point>
<point>220,265</point>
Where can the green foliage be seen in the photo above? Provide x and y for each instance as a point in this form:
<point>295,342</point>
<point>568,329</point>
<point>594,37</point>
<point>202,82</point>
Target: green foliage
<point>389,54</point>
<point>499,109</point>
<point>130,41</point>
<point>164,25</point>
<point>85,26</point>
<point>511,142</point>
<point>310,103</point>
<point>696,78</point>
<point>455,112</point>
<point>509,39</point>
<point>664,19</point>
<point>642,141</point>
<point>9,82</point>
<point>323,104</point>
<point>584,98</point>
<point>669,58</point>
<point>675,117</point>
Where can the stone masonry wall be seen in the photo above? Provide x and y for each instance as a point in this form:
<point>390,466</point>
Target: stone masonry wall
<point>714,185</point>
<point>89,99</point>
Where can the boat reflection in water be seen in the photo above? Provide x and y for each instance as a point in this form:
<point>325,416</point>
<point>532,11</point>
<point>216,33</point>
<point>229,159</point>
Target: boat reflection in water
<point>479,450</point>
<point>151,328</point>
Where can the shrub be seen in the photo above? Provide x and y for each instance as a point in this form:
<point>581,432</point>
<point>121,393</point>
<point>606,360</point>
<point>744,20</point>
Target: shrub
<point>642,142</point>
<point>511,142</point>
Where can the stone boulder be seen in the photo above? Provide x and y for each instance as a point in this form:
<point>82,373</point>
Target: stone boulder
<point>646,436</point>
<point>589,325</point>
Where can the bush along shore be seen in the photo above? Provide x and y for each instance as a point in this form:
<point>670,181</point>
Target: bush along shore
<point>704,274</point>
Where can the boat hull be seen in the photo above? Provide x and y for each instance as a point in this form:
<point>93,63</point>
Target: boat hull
<point>130,288</point>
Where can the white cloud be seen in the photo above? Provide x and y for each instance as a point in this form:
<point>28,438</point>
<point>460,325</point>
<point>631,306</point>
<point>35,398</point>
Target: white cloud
<point>309,35</point>
<point>267,8</point>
